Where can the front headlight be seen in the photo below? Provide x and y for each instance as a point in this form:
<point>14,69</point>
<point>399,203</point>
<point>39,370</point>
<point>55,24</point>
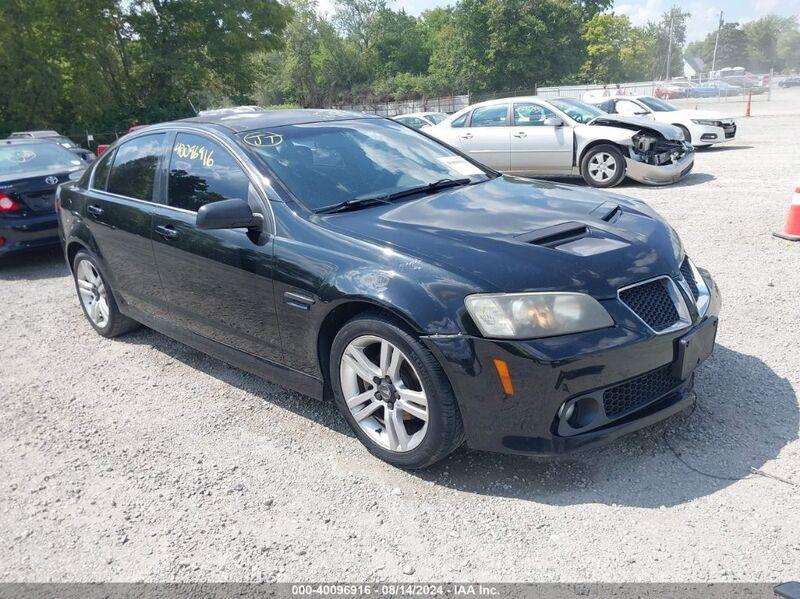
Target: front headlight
<point>705,122</point>
<point>530,315</point>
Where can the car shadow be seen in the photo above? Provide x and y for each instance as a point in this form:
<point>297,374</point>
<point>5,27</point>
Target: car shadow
<point>722,148</point>
<point>744,415</point>
<point>35,265</point>
<point>627,183</point>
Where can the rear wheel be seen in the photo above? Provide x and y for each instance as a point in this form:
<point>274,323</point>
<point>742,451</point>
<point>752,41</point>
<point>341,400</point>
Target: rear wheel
<point>97,299</point>
<point>603,166</point>
<point>393,393</point>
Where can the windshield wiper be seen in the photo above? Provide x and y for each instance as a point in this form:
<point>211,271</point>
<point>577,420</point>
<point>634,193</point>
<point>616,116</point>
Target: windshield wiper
<point>353,204</point>
<point>356,203</point>
<point>427,188</point>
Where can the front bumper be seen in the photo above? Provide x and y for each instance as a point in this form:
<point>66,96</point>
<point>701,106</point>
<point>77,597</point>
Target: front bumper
<point>706,135</point>
<point>547,373</point>
<point>23,233</point>
<point>659,175</point>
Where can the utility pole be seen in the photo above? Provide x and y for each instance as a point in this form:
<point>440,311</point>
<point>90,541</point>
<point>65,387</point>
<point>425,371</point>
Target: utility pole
<point>669,49</point>
<point>716,43</point>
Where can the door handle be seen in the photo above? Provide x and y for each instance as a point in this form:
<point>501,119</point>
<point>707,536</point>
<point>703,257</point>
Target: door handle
<point>166,231</point>
<point>521,134</point>
<point>467,136</point>
<point>94,210</point>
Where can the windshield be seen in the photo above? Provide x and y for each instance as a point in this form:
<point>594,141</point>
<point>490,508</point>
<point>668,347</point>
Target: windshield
<point>578,111</point>
<point>326,163</point>
<point>436,117</point>
<point>657,105</point>
<point>29,158</point>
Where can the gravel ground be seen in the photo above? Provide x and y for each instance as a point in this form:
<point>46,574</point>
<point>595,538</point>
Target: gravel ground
<point>142,459</point>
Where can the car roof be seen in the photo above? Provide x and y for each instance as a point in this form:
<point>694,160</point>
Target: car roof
<point>248,121</point>
<point>36,134</point>
<point>25,140</point>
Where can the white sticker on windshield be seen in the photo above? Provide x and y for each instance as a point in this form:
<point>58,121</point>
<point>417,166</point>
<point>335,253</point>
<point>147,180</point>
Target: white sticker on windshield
<point>463,167</point>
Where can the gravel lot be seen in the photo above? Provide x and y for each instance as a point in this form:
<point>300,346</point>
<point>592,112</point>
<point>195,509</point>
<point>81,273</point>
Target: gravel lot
<point>142,459</point>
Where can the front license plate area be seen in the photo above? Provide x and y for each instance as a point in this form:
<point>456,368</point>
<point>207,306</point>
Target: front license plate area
<point>694,348</point>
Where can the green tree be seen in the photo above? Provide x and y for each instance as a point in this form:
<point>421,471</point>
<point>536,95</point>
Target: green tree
<point>671,26</point>
<point>789,48</point>
<point>731,50</point>
<point>398,44</point>
<point>616,51</point>
<point>762,40</point>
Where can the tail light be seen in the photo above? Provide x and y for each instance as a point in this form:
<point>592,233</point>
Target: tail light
<point>7,204</point>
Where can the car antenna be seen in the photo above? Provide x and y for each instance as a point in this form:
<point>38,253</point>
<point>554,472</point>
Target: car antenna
<point>188,99</point>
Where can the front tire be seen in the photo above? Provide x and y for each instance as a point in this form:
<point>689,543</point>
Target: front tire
<point>603,166</point>
<point>97,299</point>
<point>393,393</point>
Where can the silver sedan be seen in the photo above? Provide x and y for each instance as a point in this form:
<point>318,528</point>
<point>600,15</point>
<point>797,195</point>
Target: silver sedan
<point>531,136</point>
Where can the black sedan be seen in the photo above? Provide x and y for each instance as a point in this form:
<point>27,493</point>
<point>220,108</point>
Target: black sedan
<point>433,299</point>
<point>30,171</point>
<point>789,82</point>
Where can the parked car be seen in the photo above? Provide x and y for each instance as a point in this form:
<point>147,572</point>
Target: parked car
<point>715,89</point>
<point>749,85</point>
<point>55,136</point>
<point>420,120</point>
<point>789,82</point>
<point>531,136</point>
<point>700,127</point>
<point>30,171</point>
<point>672,89</point>
<point>436,299</point>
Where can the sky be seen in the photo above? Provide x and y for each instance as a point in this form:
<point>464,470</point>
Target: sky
<point>705,14</point>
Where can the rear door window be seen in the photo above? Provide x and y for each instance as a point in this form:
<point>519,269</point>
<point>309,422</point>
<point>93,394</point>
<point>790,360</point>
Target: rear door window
<point>490,116</point>
<point>201,171</point>
<point>133,172</point>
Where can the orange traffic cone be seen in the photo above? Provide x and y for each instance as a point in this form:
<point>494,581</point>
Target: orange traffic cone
<point>791,230</point>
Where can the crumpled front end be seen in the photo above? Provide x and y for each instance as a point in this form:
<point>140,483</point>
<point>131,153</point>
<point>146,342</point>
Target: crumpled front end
<point>656,160</point>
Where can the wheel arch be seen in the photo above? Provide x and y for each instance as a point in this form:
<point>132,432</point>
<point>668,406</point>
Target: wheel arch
<point>338,316</point>
<point>72,249</point>
<point>600,142</point>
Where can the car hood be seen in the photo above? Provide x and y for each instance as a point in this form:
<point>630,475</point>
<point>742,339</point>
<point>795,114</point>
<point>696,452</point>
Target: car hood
<point>636,124</point>
<point>515,234</point>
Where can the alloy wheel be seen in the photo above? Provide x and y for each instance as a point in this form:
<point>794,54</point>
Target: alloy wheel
<point>384,393</point>
<point>602,167</point>
<point>92,291</point>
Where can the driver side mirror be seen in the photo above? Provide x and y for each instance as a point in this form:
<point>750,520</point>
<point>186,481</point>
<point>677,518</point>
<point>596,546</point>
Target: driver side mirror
<point>553,121</point>
<point>228,214</point>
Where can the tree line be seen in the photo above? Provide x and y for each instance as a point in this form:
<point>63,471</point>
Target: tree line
<point>101,65</point>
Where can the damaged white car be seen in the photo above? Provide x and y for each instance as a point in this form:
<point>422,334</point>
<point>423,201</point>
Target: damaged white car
<point>531,136</point>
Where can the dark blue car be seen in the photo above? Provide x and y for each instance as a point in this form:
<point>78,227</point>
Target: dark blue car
<point>30,171</point>
<point>434,300</point>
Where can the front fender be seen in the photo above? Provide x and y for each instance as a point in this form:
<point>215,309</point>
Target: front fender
<point>321,283</point>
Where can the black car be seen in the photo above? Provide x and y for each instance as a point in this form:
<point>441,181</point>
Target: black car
<point>435,300</point>
<point>789,82</point>
<point>30,171</point>
<point>56,137</point>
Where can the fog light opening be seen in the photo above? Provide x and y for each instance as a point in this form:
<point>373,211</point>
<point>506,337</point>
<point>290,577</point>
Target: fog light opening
<point>582,412</point>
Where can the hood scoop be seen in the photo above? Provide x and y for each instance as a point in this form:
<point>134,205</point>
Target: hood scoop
<point>607,211</point>
<point>556,235</point>
<point>576,238</point>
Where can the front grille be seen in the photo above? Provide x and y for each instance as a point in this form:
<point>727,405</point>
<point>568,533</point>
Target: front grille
<point>687,273</point>
<point>642,390</point>
<point>652,303</point>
